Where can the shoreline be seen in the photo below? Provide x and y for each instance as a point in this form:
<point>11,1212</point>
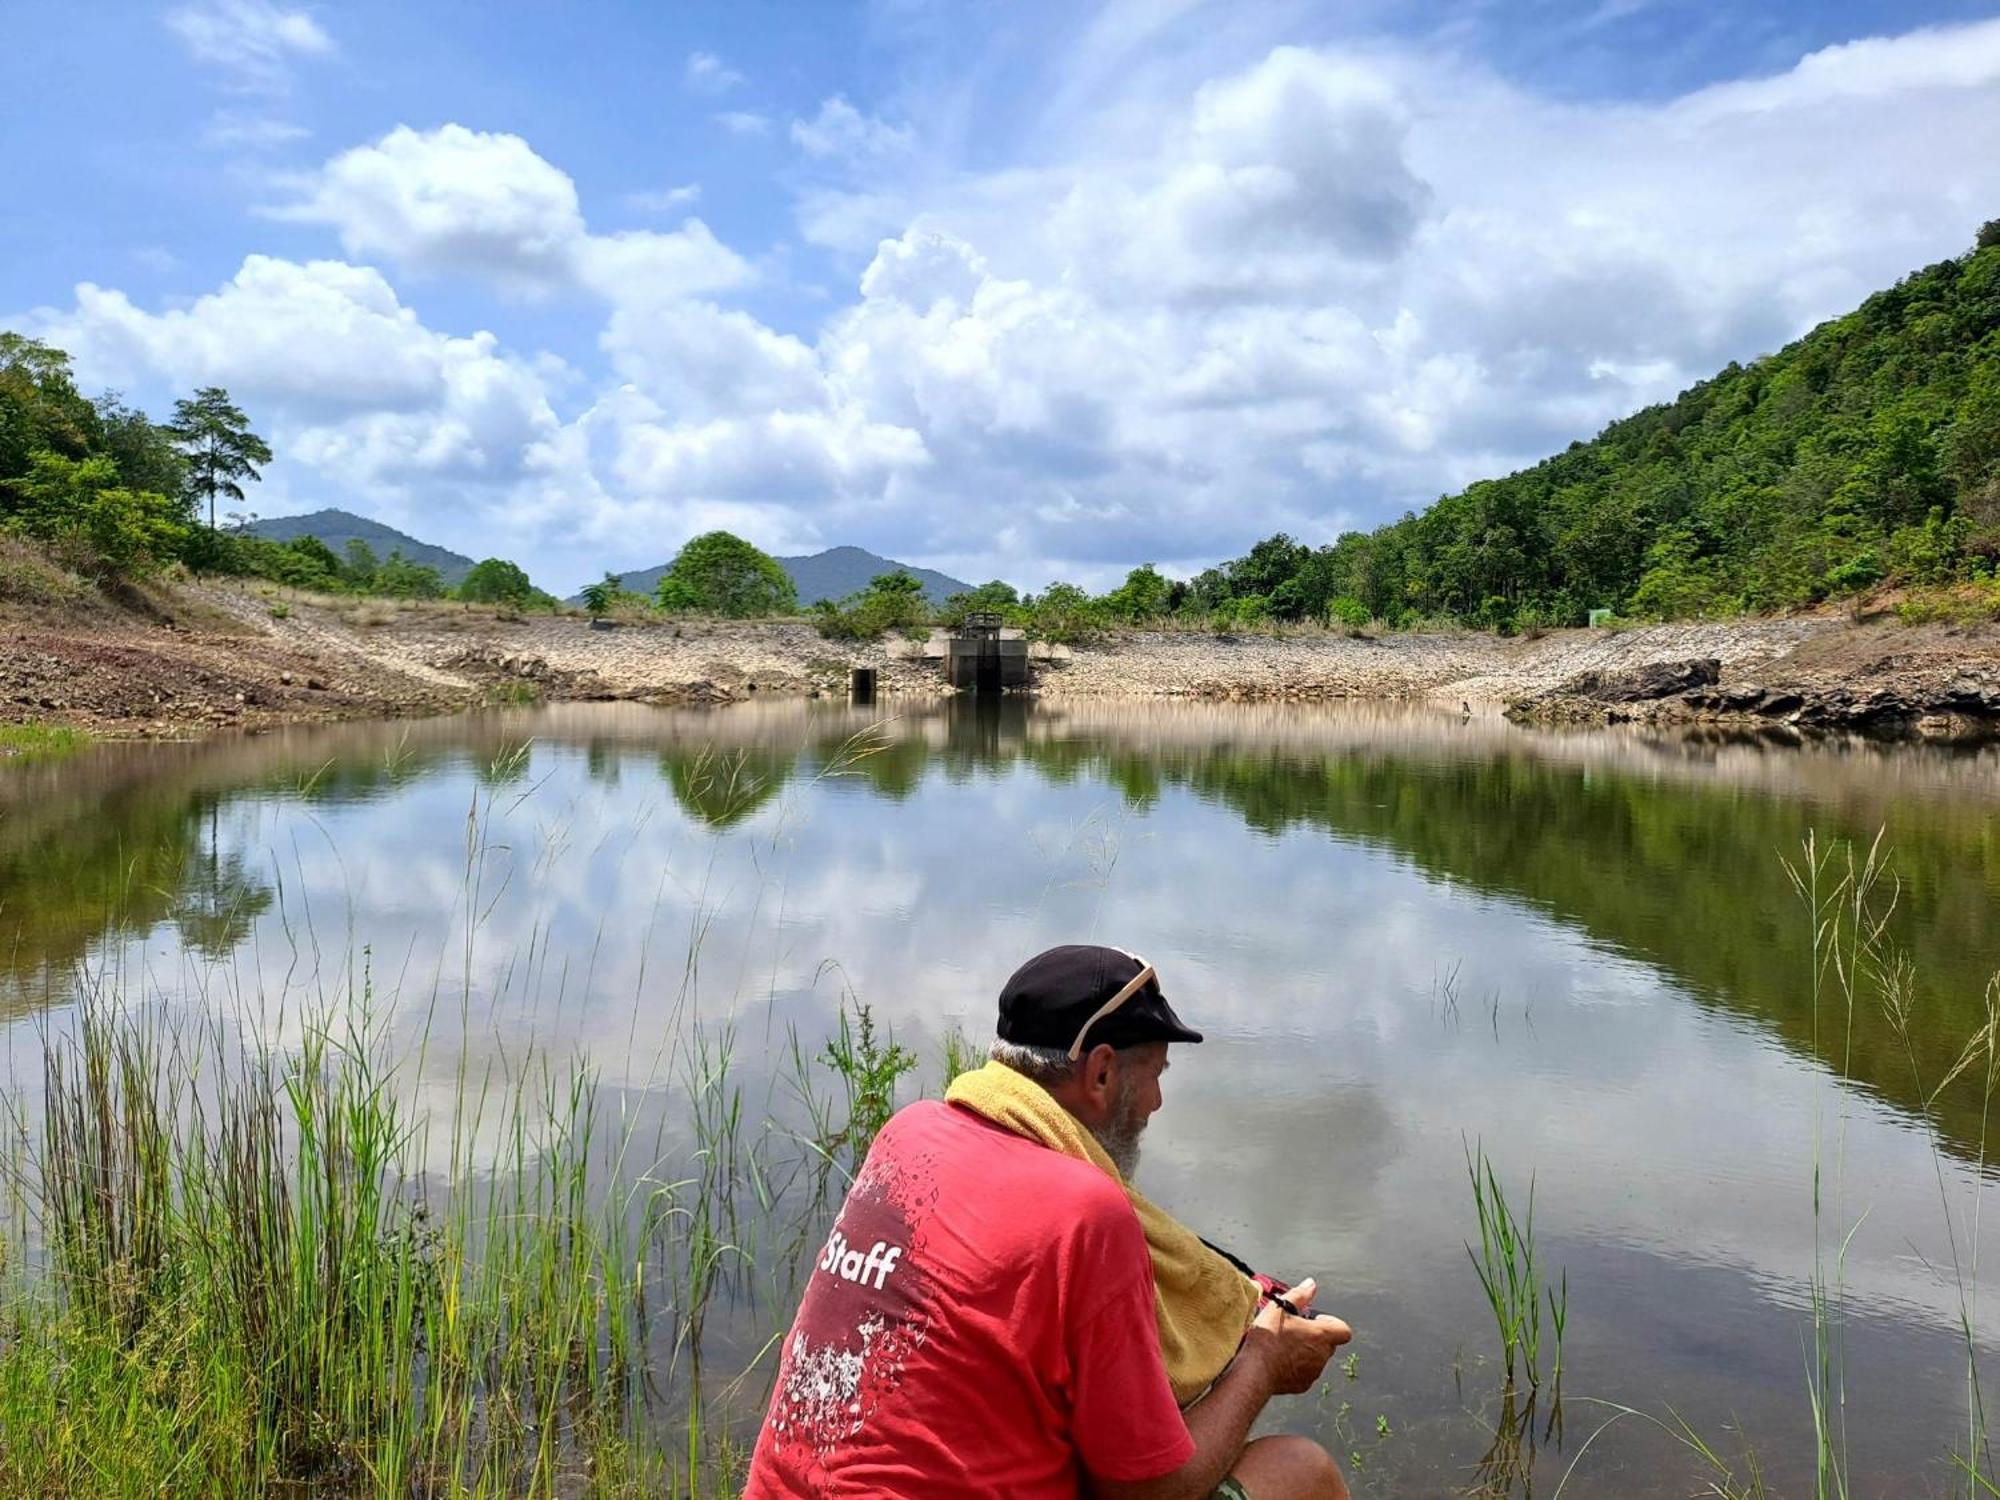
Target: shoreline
<point>209,657</point>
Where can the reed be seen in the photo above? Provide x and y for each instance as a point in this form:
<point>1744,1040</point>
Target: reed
<point>1508,1275</point>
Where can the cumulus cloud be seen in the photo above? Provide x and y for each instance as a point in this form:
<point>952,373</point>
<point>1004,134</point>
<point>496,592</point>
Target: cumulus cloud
<point>1301,290</point>
<point>354,390</point>
<point>251,42</point>
<point>460,201</point>
<point>744,122</point>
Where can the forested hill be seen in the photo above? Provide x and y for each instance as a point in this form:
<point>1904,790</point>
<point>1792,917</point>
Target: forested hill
<point>337,528</point>
<point>1868,451</point>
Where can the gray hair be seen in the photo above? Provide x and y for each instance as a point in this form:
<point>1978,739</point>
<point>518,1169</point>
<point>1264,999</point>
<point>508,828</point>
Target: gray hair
<point>1048,1066</point>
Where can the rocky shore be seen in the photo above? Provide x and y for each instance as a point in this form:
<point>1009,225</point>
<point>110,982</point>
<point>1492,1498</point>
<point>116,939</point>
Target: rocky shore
<point>196,659</point>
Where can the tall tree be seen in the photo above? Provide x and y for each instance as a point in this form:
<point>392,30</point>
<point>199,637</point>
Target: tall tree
<point>222,452</point>
<point>722,574</point>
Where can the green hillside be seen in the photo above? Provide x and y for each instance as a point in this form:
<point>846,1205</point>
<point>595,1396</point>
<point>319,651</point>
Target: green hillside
<point>337,527</point>
<point>1866,452</point>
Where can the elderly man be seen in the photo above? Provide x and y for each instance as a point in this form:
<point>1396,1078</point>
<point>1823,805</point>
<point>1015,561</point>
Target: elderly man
<point>997,1313</point>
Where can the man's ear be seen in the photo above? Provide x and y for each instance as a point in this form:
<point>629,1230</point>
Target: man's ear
<point>1099,1065</point>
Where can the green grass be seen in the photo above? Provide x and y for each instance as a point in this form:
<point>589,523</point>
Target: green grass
<point>35,741</point>
<point>515,692</point>
<point>1508,1275</point>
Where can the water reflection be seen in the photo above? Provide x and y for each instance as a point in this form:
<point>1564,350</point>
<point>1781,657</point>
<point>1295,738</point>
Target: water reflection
<point>1403,932</point>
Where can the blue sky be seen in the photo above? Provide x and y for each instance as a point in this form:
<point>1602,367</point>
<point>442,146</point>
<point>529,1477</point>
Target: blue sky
<point>1030,290</point>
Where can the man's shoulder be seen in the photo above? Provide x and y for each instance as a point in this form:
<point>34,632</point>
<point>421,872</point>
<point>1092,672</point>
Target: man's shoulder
<point>1081,1192</point>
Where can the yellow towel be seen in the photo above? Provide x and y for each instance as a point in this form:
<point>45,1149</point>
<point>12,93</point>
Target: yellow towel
<point>1202,1301</point>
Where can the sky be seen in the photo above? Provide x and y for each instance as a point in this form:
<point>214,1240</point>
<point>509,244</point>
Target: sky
<point>1012,289</point>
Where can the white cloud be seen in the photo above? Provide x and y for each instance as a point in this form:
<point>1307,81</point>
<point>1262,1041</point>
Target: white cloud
<point>708,74</point>
<point>840,130</point>
<point>664,200</point>
<point>1299,291</point>
<point>252,42</point>
<point>230,130</point>
<point>743,122</point>
<point>458,201</point>
<point>353,390</point>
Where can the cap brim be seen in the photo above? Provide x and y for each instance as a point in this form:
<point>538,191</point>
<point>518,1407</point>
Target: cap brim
<point>1172,1027</point>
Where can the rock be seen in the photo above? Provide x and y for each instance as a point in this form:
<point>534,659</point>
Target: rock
<point>315,684</point>
<point>285,678</point>
<point>1660,679</point>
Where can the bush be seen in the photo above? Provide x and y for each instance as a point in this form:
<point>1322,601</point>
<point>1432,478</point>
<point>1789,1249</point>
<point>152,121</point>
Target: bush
<point>892,601</point>
<point>1349,611</point>
<point>1863,570</point>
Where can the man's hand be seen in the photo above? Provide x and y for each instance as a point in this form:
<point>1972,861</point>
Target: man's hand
<point>1295,1349</point>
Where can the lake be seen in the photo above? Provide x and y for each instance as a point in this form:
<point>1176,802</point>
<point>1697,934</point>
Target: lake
<point>1410,937</point>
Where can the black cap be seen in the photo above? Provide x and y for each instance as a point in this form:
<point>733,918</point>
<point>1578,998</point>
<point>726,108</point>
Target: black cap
<point>1054,993</point>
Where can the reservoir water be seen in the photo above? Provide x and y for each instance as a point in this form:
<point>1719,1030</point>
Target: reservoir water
<point>1410,936</point>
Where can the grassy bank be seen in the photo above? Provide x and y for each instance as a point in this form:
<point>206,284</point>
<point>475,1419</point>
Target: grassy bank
<point>234,1271</point>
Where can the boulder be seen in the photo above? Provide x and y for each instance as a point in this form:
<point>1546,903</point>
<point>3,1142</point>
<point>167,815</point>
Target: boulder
<point>1660,679</point>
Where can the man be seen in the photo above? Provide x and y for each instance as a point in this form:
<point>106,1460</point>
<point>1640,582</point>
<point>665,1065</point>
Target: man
<point>996,1313</point>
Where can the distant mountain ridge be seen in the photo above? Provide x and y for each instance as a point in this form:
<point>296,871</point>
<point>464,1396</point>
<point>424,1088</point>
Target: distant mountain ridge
<point>832,574</point>
<point>338,527</point>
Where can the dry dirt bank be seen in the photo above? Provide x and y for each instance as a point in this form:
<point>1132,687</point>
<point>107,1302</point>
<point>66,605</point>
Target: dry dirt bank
<point>194,659</point>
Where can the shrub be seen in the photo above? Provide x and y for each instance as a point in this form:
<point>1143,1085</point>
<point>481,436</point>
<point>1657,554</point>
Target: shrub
<point>1349,611</point>
<point>892,601</point>
<point>1863,570</point>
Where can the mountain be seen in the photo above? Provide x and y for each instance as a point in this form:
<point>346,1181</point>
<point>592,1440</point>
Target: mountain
<point>1866,452</point>
<point>832,574</point>
<point>337,527</point>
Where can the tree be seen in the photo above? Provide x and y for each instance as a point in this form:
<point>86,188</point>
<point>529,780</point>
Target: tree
<point>675,596</point>
<point>79,503</point>
<point>1142,596</point>
<point>598,597</point>
<point>724,575</point>
<point>995,596</point>
<point>144,451</point>
<point>222,452</point>
<point>40,409</point>
<point>400,578</point>
<point>360,564</point>
<point>496,581</point>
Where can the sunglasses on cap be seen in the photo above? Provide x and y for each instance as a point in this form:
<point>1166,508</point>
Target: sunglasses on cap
<point>1132,986</point>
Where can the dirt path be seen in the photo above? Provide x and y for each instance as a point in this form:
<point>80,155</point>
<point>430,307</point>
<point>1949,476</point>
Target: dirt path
<point>202,658</point>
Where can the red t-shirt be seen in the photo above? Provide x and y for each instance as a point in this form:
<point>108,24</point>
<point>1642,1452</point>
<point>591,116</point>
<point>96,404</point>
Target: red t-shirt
<point>979,1322</point>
